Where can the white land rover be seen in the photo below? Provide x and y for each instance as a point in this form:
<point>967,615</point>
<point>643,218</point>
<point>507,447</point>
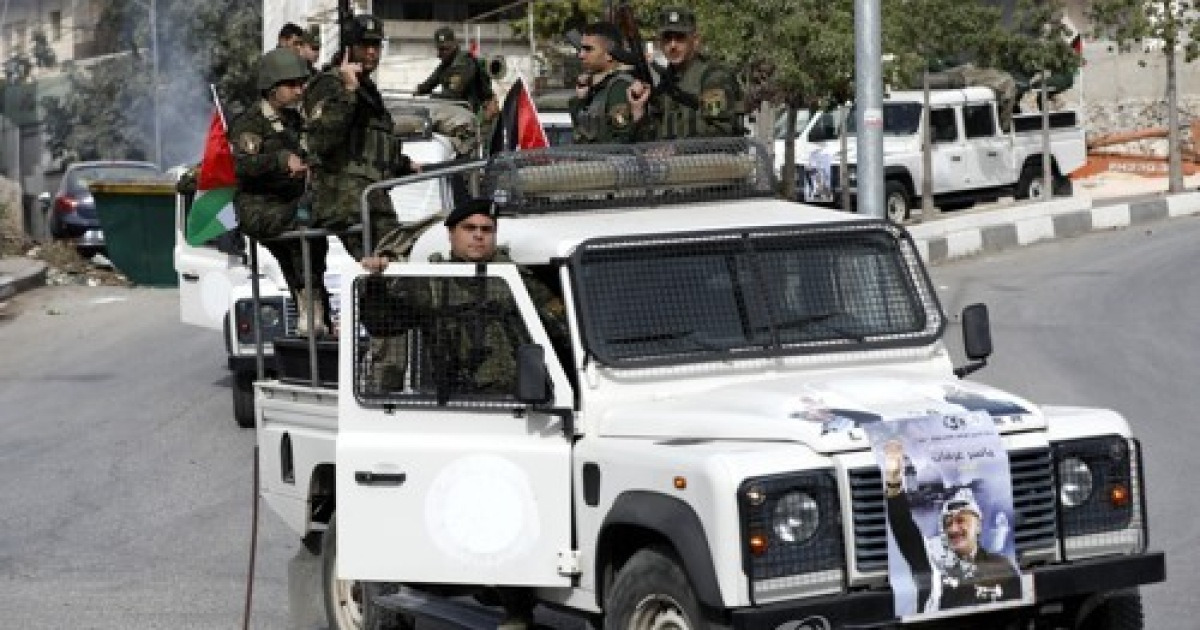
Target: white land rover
<point>697,449</point>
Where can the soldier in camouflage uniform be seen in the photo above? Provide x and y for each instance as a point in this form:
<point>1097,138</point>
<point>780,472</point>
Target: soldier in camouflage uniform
<point>352,140</point>
<point>600,110</point>
<point>711,101</point>
<point>480,346</point>
<point>271,167</point>
<point>466,90</point>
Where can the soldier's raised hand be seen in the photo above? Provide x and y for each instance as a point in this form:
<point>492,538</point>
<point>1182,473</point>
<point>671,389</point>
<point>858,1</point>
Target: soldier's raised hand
<point>349,71</point>
<point>296,166</point>
<point>638,95</point>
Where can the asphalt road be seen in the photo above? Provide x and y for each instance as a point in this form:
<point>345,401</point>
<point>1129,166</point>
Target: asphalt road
<point>1108,320</point>
<point>127,485</point>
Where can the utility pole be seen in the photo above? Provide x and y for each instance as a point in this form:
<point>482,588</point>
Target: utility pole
<point>154,81</point>
<point>868,95</point>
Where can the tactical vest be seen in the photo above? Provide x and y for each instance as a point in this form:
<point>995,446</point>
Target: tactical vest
<point>590,123</point>
<point>681,121</point>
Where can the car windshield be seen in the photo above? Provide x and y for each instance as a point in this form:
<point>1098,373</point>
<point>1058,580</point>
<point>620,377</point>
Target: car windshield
<point>776,292</point>
<point>81,178</point>
<point>899,119</point>
<point>802,118</point>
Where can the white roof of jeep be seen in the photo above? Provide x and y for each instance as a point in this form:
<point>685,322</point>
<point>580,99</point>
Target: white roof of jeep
<point>537,239</point>
<point>974,94</point>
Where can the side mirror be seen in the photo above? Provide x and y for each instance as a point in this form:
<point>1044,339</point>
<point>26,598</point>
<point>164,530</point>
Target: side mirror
<point>977,338</point>
<point>533,382</point>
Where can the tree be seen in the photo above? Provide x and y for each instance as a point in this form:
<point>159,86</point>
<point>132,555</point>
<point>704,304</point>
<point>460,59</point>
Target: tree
<point>108,110</point>
<point>1129,22</point>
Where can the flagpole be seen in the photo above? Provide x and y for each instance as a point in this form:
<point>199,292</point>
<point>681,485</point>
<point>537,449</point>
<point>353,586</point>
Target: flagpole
<point>217,102</point>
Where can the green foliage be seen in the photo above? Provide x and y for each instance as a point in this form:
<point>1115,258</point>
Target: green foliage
<point>108,111</point>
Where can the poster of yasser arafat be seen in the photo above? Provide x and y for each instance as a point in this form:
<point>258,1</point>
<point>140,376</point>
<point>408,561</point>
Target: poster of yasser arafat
<point>948,492</point>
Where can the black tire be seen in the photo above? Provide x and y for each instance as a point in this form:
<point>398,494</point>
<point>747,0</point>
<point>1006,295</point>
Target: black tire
<point>350,605</point>
<point>897,201</point>
<point>652,591</point>
<point>243,399</point>
<point>1118,611</point>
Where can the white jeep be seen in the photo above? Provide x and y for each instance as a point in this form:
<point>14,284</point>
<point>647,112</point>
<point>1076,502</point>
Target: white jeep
<point>696,452</point>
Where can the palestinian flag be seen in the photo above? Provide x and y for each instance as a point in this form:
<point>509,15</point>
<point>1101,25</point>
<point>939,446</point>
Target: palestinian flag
<point>212,211</point>
<point>519,126</point>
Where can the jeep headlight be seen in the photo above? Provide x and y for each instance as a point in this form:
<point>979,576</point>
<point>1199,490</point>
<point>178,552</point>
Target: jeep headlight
<point>796,517</point>
<point>1075,482</point>
<point>1099,489</point>
<point>791,530</point>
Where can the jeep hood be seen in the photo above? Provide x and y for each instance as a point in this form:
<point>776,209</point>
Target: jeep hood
<point>825,413</point>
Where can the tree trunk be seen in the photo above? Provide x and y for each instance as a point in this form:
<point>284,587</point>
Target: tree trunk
<point>1175,164</point>
<point>788,172</point>
<point>928,210</point>
<point>1047,154</point>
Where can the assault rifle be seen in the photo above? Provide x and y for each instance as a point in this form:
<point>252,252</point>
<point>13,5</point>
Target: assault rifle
<point>635,56</point>
<point>345,20</point>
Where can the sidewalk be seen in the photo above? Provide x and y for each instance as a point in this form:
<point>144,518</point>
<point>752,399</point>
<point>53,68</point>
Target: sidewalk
<point>20,273</point>
<point>1101,202</point>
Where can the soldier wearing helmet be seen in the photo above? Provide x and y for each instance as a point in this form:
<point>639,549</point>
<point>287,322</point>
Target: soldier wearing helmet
<point>466,88</point>
<point>272,167</point>
<point>954,568</point>
<point>352,138</point>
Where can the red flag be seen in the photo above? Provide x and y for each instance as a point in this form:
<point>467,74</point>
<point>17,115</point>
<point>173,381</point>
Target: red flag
<point>216,168</point>
<point>519,127</point>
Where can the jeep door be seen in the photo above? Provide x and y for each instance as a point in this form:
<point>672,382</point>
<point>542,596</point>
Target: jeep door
<point>988,155</point>
<point>443,476</point>
<point>949,154</point>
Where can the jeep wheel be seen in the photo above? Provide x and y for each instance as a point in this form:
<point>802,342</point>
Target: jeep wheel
<point>243,399</point>
<point>651,592</point>
<point>1030,185</point>
<point>349,605</point>
<point>896,201</point>
<point>1119,611</point>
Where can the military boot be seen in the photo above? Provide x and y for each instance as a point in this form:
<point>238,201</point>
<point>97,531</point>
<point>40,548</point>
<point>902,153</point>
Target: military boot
<point>318,313</point>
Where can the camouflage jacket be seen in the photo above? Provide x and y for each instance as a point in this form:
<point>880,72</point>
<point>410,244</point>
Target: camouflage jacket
<point>267,195</point>
<point>352,143</point>
<point>460,79</point>
<point>718,99</point>
<point>604,116</point>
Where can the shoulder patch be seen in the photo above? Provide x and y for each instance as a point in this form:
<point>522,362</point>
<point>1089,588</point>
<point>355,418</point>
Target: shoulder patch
<point>455,82</point>
<point>713,102</point>
<point>620,115</point>
<point>249,143</point>
<point>316,111</point>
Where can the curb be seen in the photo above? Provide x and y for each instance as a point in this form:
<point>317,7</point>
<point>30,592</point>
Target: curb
<point>30,277</point>
<point>1017,226</point>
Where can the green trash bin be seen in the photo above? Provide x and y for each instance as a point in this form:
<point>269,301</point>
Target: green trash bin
<point>138,219</point>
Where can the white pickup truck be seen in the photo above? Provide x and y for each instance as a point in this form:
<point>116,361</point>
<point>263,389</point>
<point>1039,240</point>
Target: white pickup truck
<point>973,158</point>
<point>214,278</point>
<point>700,449</point>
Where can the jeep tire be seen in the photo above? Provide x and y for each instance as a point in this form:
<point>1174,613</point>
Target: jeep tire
<point>896,201</point>
<point>1118,611</point>
<point>651,592</point>
<point>349,605</point>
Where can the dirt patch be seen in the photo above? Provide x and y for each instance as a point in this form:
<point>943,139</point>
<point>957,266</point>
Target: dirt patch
<point>67,267</point>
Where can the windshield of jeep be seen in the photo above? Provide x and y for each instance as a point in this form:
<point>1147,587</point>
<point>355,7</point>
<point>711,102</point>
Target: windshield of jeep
<point>753,293</point>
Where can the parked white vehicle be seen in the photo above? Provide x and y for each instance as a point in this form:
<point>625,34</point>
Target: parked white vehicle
<point>214,279</point>
<point>696,453</point>
<point>973,159</point>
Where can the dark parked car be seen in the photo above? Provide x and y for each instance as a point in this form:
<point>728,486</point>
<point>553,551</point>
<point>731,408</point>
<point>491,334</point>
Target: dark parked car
<point>71,213</point>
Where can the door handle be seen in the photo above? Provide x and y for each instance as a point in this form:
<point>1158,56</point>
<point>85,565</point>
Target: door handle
<point>956,158</point>
<point>992,154</point>
<point>190,277</point>
<point>368,478</point>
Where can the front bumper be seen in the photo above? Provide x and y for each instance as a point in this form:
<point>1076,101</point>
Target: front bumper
<point>873,608</point>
